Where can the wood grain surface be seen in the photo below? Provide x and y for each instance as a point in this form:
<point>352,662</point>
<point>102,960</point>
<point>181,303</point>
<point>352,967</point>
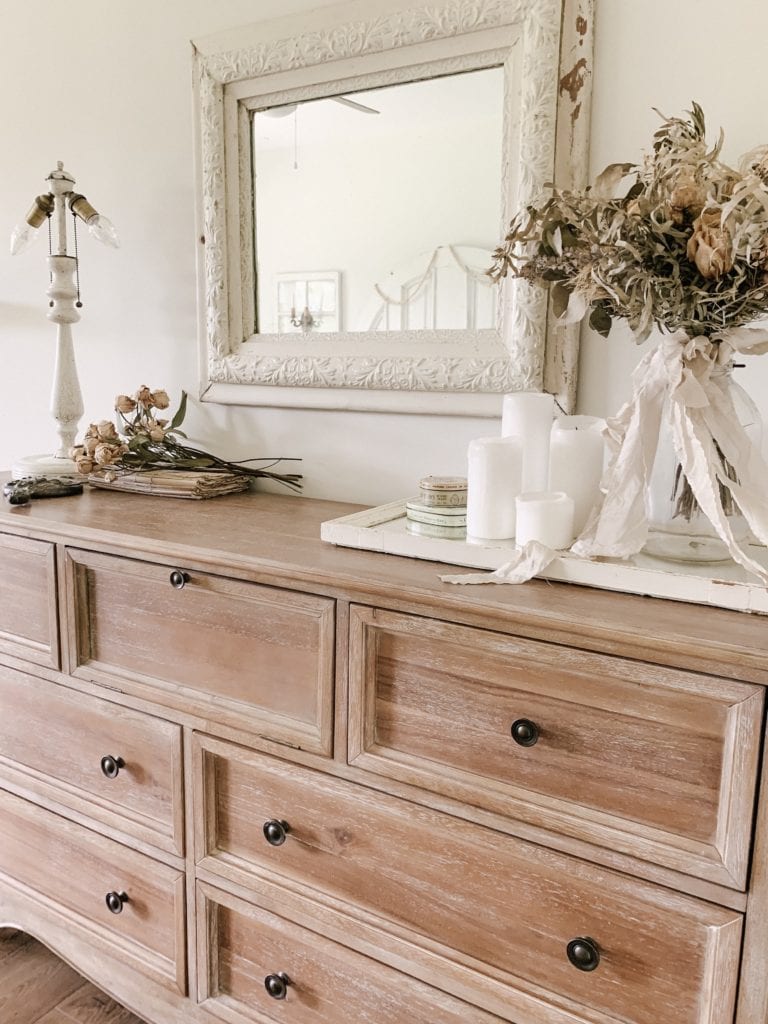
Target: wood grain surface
<point>73,869</point>
<point>36,987</point>
<point>243,944</point>
<point>28,600</point>
<point>655,762</point>
<point>476,896</point>
<point>146,795</point>
<point>216,643</point>
<point>276,538</point>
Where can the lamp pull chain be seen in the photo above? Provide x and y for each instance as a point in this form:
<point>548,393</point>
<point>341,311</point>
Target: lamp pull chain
<point>50,252</point>
<point>78,303</point>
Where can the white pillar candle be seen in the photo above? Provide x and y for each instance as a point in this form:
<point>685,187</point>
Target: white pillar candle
<point>576,458</point>
<point>528,415</point>
<point>494,479</point>
<point>546,516</point>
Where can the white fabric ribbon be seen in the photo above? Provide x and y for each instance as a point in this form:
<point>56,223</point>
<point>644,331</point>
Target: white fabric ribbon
<point>703,421</point>
<point>527,562</point>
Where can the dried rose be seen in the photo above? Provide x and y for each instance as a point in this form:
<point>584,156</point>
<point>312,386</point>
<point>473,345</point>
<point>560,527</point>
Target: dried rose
<point>85,466</point>
<point>144,395</point>
<point>90,444</point>
<point>157,433</point>
<point>124,404</point>
<point>160,399</point>
<point>687,194</point>
<point>106,431</point>
<point>638,207</point>
<point>105,455</point>
<point>710,247</point>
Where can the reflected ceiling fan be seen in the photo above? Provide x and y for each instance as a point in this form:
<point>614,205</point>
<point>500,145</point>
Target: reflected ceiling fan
<point>290,108</point>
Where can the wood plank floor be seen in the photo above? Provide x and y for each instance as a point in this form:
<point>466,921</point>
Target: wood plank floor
<point>36,987</point>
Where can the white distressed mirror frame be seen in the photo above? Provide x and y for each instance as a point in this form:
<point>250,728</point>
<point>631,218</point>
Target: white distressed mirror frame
<point>545,47</point>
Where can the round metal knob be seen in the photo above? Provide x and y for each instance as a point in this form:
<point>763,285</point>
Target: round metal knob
<point>277,984</point>
<point>111,766</point>
<point>179,578</point>
<point>525,732</point>
<point>115,901</point>
<point>275,831</point>
<point>583,953</point>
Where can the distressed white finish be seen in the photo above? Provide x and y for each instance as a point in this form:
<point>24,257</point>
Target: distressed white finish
<point>725,585</point>
<point>66,397</point>
<point>346,49</point>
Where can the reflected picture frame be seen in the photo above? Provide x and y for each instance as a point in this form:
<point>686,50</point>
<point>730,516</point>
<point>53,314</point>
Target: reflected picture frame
<point>544,47</point>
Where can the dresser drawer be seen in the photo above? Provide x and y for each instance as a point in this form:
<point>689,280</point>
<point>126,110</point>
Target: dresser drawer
<point>244,948</point>
<point>238,653</point>
<point>73,870</point>
<point>67,746</point>
<point>28,626</point>
<point>647,761</point>
<point>476,896</point>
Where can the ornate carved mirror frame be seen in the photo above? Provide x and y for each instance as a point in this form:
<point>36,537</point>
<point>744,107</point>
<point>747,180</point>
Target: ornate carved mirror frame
<point>545,49</point>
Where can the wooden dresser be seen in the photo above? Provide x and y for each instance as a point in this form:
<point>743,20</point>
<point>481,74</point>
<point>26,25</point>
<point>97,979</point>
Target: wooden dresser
<point>246,776</point>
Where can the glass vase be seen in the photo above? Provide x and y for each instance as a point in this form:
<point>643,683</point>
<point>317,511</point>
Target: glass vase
<point>678,530</point>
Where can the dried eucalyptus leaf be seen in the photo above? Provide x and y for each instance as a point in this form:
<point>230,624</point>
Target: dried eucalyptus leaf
<point>600,321</point>
<point>181,412</point>
<point>560,296</point>
<point>607,180</point>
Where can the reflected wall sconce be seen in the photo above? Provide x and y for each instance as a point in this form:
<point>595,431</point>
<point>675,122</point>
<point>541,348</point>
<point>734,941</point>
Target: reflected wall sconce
<point>64,304</point>
<point>306,321</point>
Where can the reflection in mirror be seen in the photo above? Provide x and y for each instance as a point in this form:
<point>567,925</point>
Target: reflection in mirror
<point>396,191</point>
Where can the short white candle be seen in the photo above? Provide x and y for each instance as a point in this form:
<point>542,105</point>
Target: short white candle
<point>546,516</point>
<point>528,415</point>
<point>576,458</point>
<point>494,479</point>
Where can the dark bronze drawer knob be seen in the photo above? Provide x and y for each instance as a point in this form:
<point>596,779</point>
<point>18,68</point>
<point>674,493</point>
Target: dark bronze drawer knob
<point>275,832</point>
<point>277,984</point>
<point>115,901</point>
<point>111,766</point>
<point>525,732</point>
<point>179,578</point>
<point>583,954</point>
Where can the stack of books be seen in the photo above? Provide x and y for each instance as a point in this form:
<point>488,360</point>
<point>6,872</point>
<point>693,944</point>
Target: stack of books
<point>171,483</point>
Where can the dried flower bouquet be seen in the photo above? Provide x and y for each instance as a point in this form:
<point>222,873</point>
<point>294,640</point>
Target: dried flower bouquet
<point>685,247</point>
<point>147,442</point>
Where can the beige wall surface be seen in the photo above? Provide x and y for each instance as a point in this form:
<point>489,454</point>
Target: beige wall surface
<point>106,87</point>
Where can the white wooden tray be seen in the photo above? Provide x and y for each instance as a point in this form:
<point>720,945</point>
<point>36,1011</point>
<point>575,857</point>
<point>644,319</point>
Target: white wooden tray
<point>723,584</point>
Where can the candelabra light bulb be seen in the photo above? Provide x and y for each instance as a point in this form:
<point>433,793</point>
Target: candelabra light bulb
<point>22,237</point>
<point>24,234</point>
<point>103,230</point>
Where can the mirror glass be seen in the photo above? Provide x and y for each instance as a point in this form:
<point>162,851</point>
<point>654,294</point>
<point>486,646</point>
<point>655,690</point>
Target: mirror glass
<point>377,210</point>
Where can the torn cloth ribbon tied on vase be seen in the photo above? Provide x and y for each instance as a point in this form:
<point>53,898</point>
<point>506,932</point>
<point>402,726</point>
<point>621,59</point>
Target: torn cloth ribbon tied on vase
<point>718,460</point>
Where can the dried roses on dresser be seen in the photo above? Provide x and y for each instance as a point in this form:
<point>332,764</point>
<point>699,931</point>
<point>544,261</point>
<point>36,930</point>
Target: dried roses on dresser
<point>144,441</point>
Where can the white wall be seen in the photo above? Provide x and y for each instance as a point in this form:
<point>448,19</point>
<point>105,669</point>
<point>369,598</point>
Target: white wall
<point>106,87</point>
